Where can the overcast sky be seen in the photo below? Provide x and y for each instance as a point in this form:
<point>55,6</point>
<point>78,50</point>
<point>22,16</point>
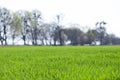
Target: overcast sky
<point>83,12</point>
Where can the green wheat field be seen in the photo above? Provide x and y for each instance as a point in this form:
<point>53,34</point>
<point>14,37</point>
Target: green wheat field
<point>60,63</point>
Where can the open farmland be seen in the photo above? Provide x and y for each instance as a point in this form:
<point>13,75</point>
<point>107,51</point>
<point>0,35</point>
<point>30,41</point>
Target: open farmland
<point>60,63</point>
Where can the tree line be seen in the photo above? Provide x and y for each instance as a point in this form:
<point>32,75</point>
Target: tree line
<point>32,30</point>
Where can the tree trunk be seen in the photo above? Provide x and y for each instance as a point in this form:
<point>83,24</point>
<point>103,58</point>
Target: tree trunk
<point>24,39</point>
<point>5,36</point>
<point>60,38</point>
<point>54,42</point>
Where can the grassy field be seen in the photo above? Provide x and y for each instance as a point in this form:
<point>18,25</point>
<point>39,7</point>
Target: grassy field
<point>60,63</point>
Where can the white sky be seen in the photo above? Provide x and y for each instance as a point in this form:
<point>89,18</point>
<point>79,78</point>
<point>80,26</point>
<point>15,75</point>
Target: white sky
<point>83,12</point>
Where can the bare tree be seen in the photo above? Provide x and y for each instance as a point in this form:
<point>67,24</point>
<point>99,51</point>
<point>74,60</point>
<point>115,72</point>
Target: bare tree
<point>25,19</point>
<point>53,33</point>
<point>101,30</point>
<point>36,25</point>
<point>59,29</point>
<point>5,20</point>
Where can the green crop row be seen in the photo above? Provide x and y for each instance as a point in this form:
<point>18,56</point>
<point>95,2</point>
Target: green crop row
<point>60,63</point>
